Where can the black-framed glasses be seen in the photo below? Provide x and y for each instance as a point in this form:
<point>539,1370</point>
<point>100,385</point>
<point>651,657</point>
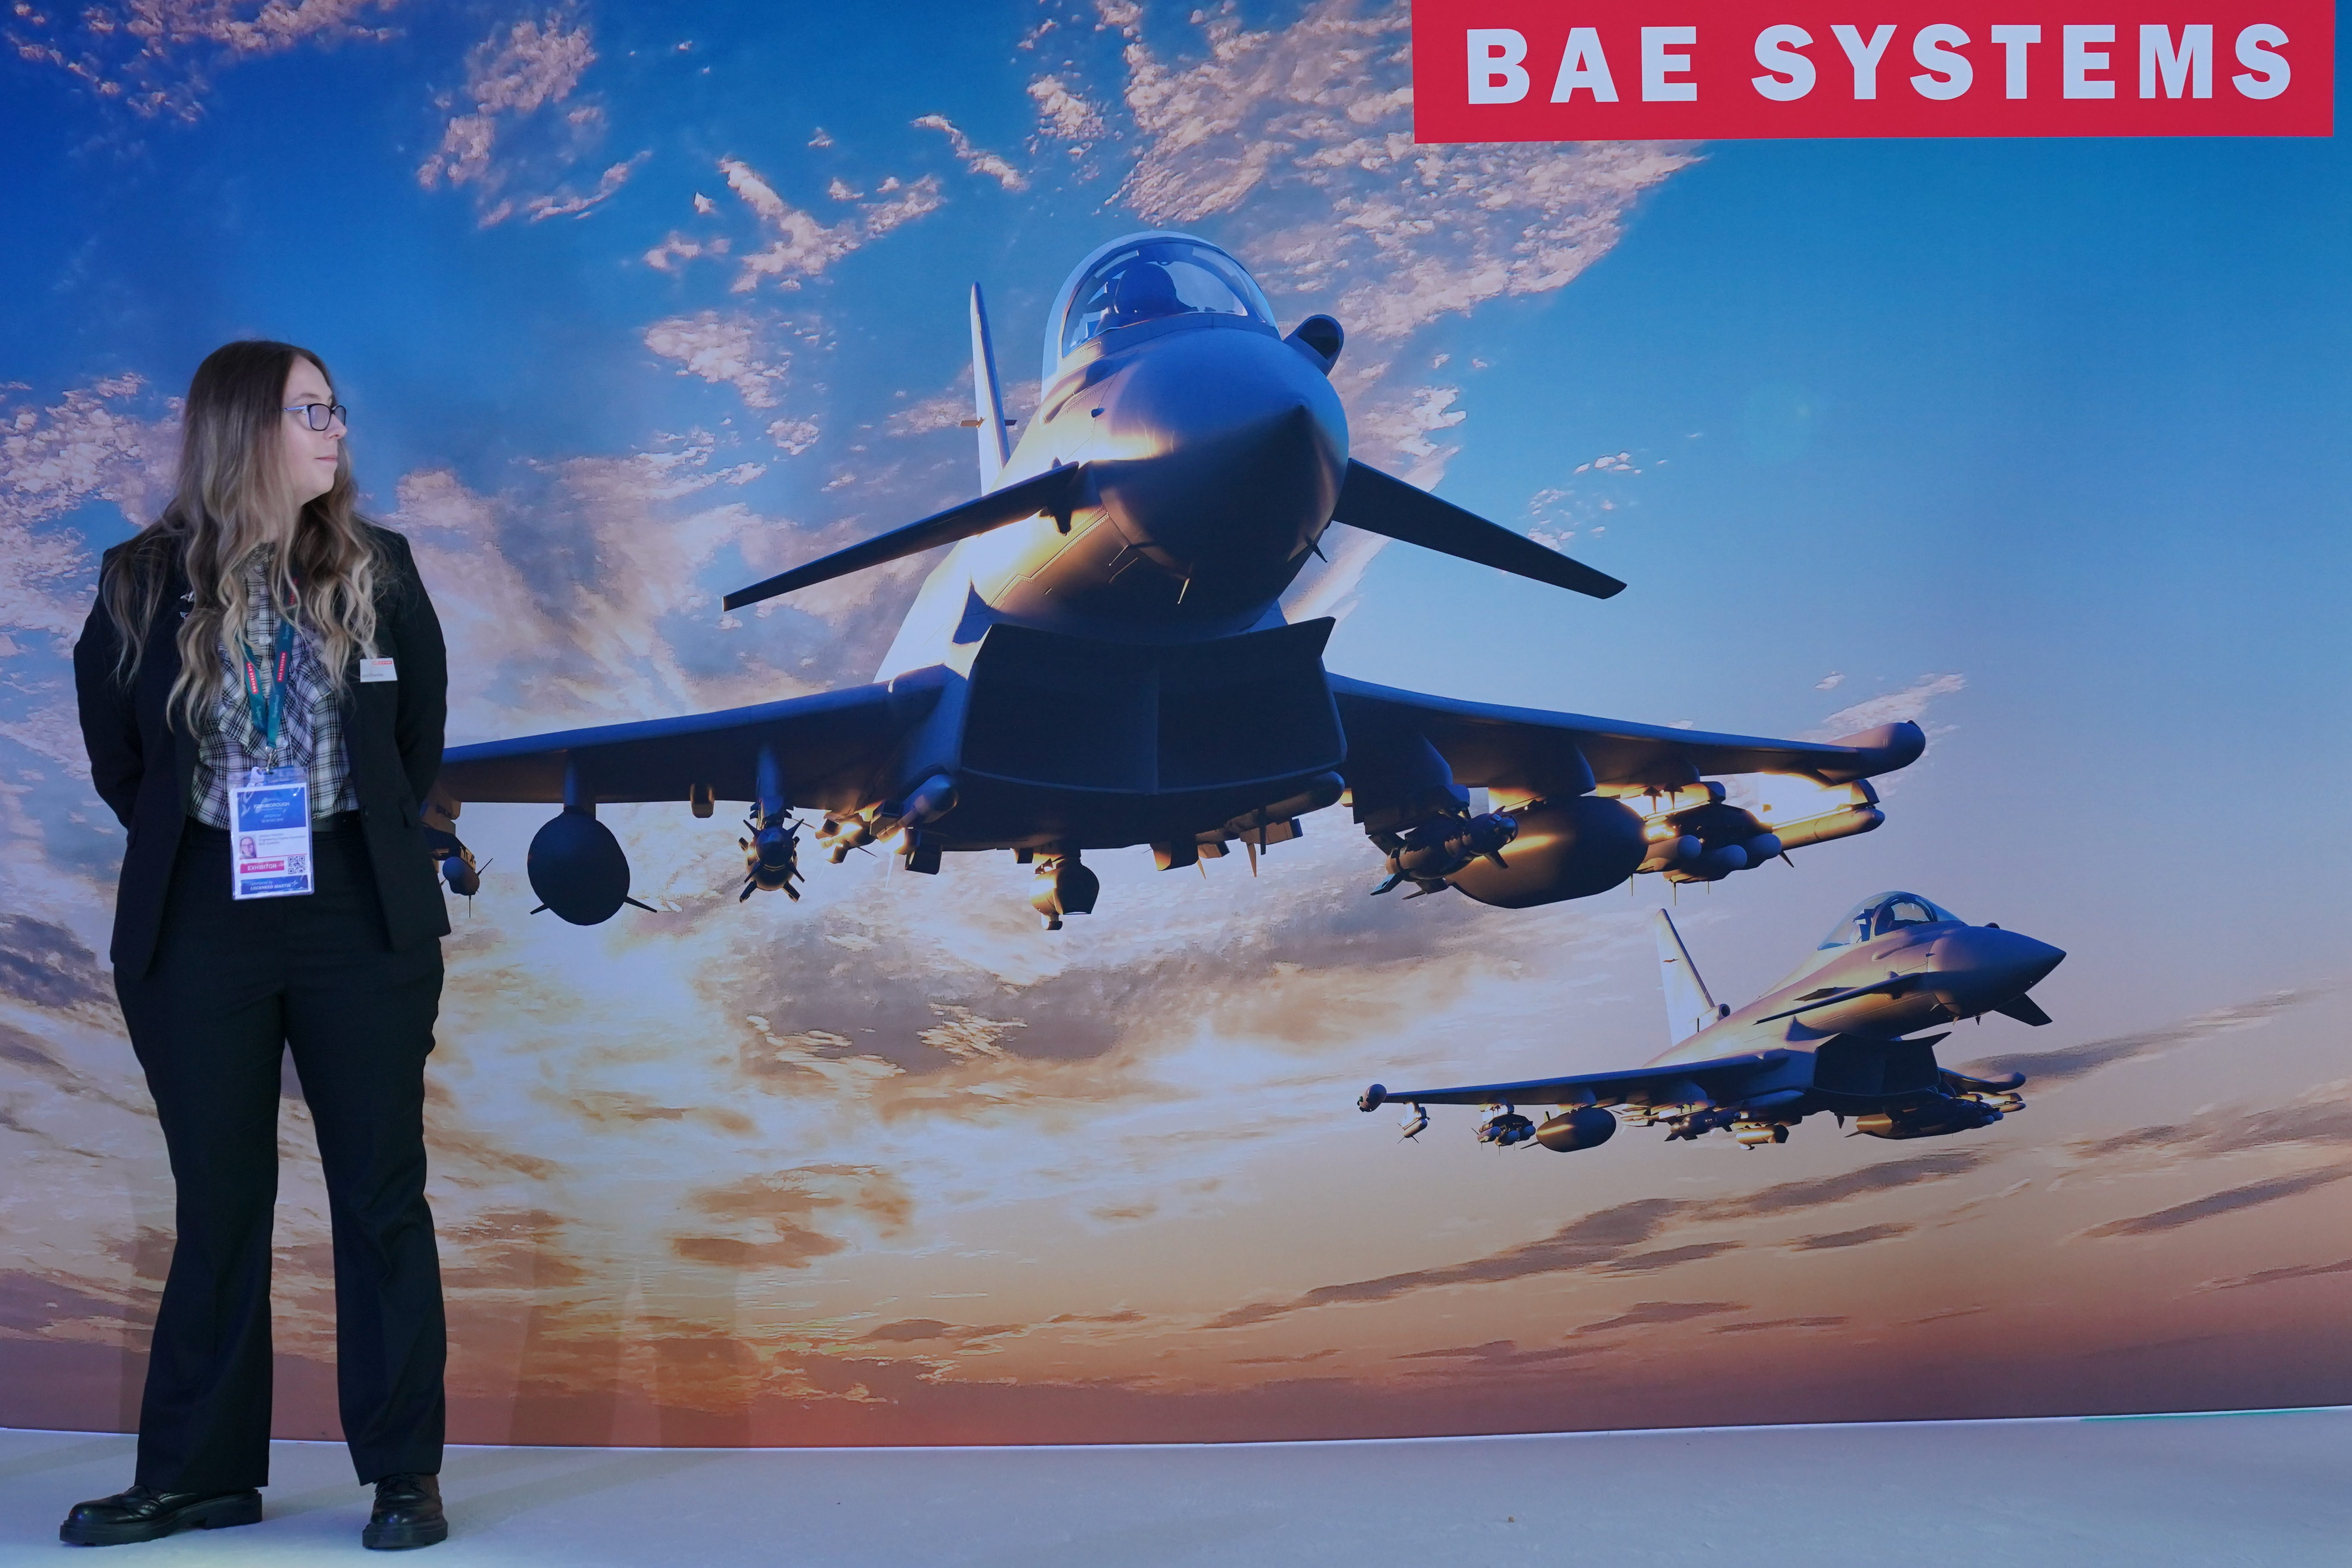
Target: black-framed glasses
<point>320,415</point>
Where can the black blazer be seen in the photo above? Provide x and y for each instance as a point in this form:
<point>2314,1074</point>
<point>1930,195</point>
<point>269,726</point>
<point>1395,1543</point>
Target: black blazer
<point>143,762</point>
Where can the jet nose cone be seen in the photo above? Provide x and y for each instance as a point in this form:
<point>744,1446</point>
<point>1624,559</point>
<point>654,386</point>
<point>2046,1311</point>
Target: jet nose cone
<point>1991,965</point>
<point>2033,958</point>
<point>1240,446</point>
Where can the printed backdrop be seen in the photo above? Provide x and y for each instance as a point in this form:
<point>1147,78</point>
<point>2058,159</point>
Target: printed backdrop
<point>2041,443</point>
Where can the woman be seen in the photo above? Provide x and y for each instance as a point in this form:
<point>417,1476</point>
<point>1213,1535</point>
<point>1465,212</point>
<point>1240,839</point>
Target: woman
<point>260,633</point>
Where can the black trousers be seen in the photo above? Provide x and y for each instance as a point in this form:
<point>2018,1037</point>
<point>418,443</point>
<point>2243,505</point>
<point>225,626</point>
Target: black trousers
<point>233,986</point>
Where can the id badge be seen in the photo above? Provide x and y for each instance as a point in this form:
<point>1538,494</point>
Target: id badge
<point>269,835</point>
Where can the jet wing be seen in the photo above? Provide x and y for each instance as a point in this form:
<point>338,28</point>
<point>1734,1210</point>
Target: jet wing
<point>833,748</point>
<point>1723,1078</point>
<point>1538,752</point>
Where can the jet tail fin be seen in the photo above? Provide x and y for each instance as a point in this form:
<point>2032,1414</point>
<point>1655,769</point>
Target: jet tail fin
<point>987,397</point>
<point>1689,1005</point>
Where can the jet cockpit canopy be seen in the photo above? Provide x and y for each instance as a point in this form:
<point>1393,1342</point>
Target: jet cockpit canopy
<point>1144,278</point>
<point>1885,912</point>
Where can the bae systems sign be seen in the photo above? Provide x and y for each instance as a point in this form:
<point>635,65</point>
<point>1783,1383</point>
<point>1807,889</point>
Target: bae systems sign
<point>1536,71</point>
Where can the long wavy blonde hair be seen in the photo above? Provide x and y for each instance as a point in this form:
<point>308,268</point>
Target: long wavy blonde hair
<point>230,510</point>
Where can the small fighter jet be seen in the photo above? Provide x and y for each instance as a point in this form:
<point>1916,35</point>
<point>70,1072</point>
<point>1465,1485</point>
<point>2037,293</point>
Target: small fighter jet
<point>1101,659</point>
<point>1836,1036</point>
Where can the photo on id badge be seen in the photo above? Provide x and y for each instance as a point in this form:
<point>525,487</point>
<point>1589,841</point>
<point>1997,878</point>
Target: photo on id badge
<point>269,818</point>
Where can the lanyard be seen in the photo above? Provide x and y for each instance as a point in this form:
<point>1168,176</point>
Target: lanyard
<point>270,711</point>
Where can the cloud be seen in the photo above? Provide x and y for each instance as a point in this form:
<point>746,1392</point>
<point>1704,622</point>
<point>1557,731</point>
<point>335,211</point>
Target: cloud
<point>913,1329</point>
<point>978,160</point>
<point>2250,1195</point>
<point>1910,704</point>
<point>511,77</point>
<point>1306,131</point>
<point>563,204</point>
<point>675,249</point>
<point>1814,1192</point>
<point>156,58</point>
<point>2277,1275</point>
<point>794,436</point>
<point>1841,1238</point>
<point>48,965</point>
<point>1501,1354</point>
<point>576,586</point>
<point>1646,1314</point>
<point>1594,1238</point>
<point>919,1330</point>
<point>940,411</point>
<point>800,246</point>
<point>1067,117</point>
<point>2046,1070</point>
<point>1606,1240</point>
<point>965,1036</point>
<point>1399,429</point>
<point>780,1212</point>
<point>110,441</point>
<point>90,446</point>
<point>2320,1115</point>
<point>1771,1324</point>
<point>723,349</point>
<point>1667,1258</point>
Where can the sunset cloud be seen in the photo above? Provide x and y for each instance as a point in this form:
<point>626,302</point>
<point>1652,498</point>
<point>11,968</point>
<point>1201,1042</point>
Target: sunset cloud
<point>2268,1190</point>
<point>1609,1237</point>
<point>2046,1070</point>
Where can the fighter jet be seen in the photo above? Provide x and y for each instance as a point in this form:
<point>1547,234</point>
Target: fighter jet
<point>1836,1036</point>
<point>1102,660</point>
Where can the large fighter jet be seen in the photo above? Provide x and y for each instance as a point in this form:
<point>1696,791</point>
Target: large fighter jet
<point>1101,660</point>
<point>1835,1036</point>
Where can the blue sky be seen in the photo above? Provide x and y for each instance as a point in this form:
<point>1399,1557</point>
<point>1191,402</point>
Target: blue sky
<point>2040,443</point>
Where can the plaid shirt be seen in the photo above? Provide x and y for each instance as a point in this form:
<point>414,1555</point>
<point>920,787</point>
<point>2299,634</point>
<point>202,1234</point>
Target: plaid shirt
<point>229,742</point>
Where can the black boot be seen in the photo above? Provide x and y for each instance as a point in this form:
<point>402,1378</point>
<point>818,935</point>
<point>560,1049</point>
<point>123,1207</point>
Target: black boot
<point>142,1513</point>
<point>407,1513</point>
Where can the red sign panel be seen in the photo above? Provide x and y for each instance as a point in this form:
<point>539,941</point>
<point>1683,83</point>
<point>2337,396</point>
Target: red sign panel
<point>1538,70</point>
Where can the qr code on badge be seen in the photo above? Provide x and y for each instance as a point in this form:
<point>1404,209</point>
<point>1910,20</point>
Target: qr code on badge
<point>298,865</point>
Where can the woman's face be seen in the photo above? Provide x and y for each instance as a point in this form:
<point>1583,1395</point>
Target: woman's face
<point>311,455</point>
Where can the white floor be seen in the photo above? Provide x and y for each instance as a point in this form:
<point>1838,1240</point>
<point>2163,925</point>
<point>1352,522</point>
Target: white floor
<point>2267,1491</point>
